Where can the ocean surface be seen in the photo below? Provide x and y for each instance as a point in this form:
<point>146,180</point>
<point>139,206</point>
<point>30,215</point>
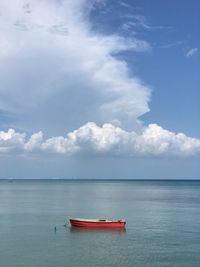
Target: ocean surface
<point>163,223</point>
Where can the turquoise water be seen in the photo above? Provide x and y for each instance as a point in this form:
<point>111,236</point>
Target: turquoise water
<point>163,223</point>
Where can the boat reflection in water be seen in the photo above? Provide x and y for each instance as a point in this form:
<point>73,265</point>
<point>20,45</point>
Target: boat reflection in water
<point>74,229</point>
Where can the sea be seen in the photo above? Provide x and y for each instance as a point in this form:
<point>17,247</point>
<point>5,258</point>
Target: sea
<point>163,223</point>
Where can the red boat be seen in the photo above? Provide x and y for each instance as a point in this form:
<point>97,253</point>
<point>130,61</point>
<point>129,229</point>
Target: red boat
<point>97,223</point>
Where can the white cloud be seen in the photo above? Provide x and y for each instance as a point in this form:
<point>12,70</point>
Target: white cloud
<point>191,52</point>
<point>34,143</point>
<point>11,140</point>
<point>107,140</point>
<point>65,67</point>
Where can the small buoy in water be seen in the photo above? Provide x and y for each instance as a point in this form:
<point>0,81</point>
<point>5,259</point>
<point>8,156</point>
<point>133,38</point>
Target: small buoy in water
<point>55,229</point>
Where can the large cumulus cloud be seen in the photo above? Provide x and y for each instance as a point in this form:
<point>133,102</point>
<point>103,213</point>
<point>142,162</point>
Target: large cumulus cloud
<point>105,140</point>
<point>53,65</point>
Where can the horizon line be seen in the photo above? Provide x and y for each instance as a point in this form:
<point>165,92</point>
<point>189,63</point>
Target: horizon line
<point>99,179</point>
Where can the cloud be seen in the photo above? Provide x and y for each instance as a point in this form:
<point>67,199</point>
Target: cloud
<point>11,141</point>
<point>137,20</point>
<point>173,44</point>
<point>107,140</point>
<point>67,70</point>
<point>191,52</point>
<point>124,4</point>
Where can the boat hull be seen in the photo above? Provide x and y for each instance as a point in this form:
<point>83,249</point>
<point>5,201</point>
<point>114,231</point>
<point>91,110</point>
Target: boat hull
<point>98,224</point>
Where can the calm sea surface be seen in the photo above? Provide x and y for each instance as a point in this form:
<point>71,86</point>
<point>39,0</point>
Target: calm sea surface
<point>163,223</point>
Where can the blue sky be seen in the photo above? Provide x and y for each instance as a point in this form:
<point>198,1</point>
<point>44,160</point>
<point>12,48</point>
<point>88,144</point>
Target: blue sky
<point>99,89</point>
<point>172,32</point>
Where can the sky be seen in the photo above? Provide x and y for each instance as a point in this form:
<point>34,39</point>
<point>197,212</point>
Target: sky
<point>99,89</point>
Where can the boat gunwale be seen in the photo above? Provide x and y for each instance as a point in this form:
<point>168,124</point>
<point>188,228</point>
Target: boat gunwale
<point>97,220</point>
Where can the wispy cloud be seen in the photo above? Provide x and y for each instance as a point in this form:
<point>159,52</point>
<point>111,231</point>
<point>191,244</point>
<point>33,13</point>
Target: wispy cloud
<point>107,140</point>
<point>190,53</point>
<point>137,20</point>
<point>128,6</point>
<point>172,44</point>
<point>124,4</point>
